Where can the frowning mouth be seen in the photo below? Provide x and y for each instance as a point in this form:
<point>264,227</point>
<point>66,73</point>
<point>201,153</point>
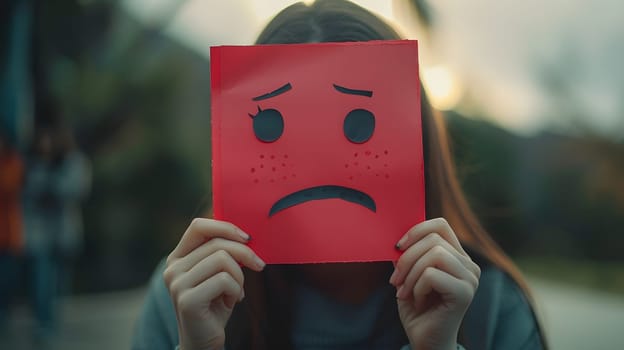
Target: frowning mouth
<point>324,192</point>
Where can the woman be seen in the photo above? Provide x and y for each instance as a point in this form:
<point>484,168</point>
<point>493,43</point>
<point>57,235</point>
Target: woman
<point>439,296</point>
<point>57,179</point>
<point>11,240</point>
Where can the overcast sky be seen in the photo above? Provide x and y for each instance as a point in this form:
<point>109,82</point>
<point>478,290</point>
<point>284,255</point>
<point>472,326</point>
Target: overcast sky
<point>502,46</point>
<point>497,49</point>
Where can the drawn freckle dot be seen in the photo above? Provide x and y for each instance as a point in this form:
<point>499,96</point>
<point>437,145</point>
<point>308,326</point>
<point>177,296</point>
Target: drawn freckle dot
<point>386,165</point>
<point>284,177</point>
<point>273,168</point>
<point>283,164</point>
<point>256,181</point>
<point>376,156</point>
<point>346,165</point>
<point>261,166</point>
<point>262,156</point>
<point>253,170</point>
<point>285,156</point>
<point>350,177</point>
<point>368,153</point>
<point>368,167</point>
<point>386,152</point>
<point>387,176</point>
<point>355,154</point>
<point>272,156</point>
<point>376,174</point>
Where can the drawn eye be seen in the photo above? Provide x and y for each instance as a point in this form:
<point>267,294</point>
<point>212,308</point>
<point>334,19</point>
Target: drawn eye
<point>268,125</point>
<point>359,125</point>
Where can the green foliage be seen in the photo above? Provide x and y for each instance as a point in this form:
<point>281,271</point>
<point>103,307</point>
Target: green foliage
<point>542,195</point>
<point>139,103</point>
<point>605,276</point>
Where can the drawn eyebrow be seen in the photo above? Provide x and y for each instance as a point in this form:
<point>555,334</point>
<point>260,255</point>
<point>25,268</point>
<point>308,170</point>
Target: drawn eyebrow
<point>273,93</point>
<point>345,90</point>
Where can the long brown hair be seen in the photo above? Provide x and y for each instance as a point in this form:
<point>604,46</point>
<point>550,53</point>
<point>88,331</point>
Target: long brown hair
<point>262,320</point>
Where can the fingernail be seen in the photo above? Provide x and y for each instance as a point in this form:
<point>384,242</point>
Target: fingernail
<point>398,293</point>
<point>243,234</point>
<point>259,262</point>
<point>242,295</point>
<point>401,242</point>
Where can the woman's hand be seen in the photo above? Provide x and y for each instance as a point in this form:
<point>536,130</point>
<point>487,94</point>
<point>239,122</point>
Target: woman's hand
<point>436,281</point>
<point>205,280</point>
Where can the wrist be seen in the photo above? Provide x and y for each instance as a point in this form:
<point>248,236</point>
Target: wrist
<point>434,341</point>
<point>412,347</point>
<point>179,347</point>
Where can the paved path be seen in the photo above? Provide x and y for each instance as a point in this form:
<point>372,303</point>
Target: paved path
<point>90,322</point>
<point>575,319</point>
<point>580,319</point>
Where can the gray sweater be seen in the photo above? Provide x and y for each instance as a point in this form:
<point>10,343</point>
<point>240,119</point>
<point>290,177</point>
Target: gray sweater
<point>499,318</point>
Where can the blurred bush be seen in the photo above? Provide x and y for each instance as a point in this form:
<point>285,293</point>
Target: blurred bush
<point>544,195</point>
<point>139,104</point>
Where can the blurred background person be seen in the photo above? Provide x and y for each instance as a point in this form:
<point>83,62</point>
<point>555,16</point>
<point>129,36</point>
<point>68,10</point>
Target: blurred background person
<point>58,178</point>
<point>11,172</point>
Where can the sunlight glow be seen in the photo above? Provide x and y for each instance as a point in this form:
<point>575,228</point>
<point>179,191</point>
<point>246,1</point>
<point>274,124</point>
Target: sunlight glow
<point>442,87</point>
<point>265,10</point>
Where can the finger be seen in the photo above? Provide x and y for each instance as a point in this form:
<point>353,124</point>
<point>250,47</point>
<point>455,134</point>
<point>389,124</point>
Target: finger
<point>416,251</point>
<point>451,289</point>
<point>240,252</point>
<point>441,259</point>
<point>202,230</point>
<point>215,263</point>
<point>438,225</point>
<point>221,284</point>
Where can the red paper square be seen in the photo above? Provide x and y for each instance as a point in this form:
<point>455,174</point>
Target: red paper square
<point>342,179</point>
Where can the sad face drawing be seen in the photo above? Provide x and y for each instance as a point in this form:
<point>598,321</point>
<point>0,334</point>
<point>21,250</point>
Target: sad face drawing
<point>317,148</point>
